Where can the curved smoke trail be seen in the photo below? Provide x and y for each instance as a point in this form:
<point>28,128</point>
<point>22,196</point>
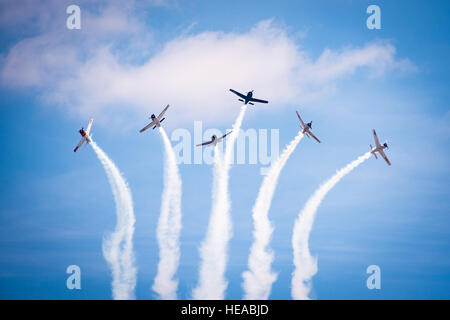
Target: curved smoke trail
<point>118,246</point>
<point>213,252</point>
<point>305,264</point>
<point>259,278</point>
<point>169,227</point>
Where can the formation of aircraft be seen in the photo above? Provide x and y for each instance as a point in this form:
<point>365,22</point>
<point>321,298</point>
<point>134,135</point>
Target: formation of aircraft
<point>247,99</point>
<point>306,128</point>
<point>214,140</point>
<point>84,135</point>
<point>156,121</point>
<point>379,148</point>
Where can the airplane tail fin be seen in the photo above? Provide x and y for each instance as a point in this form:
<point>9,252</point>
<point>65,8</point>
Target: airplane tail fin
<point>75,150</point>
<point>154,127</point>
<point>88,138</point>
<point>251,103</point>
<point>374,154</point>
<point>241,100</point>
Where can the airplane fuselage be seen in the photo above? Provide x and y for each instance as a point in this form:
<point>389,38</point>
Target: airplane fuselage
<point>307,128</point>
<point>158,123</point>
<point>381,147</point>
<point>84,135</point>
<point>214,140</point>
<point>249,97</point>
<point>378,149</point>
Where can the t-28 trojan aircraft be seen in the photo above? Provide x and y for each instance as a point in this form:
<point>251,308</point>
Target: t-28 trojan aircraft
<point>156,121</point>
<point>214,140</point>
<point>248,98</point>
<point>379,148</point>
<point>84,135</point>
<point>306,128</point>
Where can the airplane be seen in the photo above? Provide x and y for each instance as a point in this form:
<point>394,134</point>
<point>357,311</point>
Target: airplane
<point>307,128</point>
<point>84,135</point>
<point>248,98</point>
<point>156,121</point>
<point>214,140</point>
<point>379,148</point>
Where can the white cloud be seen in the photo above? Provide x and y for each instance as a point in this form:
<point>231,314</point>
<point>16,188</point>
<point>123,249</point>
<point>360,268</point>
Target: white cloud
<point>192,72</point>
<point>56,53</point>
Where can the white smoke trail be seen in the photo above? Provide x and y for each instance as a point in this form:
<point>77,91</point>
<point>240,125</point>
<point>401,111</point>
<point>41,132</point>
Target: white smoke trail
<point>169,227</point>
<point>259,278</point>
<point>306,265</point>
<point>214,249</point>
<point>118,246</point>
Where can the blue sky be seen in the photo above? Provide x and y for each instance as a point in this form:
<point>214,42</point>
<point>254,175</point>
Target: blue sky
<point>57,205</point>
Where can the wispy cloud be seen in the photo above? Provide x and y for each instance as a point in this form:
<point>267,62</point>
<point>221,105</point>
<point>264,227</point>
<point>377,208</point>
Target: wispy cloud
<point>107,68</point>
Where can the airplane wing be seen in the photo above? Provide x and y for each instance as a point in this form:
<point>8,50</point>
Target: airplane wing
<point>89,125</point>
<point>259,100</point>
<point>204,143</point>
<point>300,118</point>
<point>79,144</point>
<point>239,94</point>
<point>377,142</point>
<point>224,135</point>
<point>162,113</point>
<point>312,135</point>
<point>148,126</point>
<point>384,157</point>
